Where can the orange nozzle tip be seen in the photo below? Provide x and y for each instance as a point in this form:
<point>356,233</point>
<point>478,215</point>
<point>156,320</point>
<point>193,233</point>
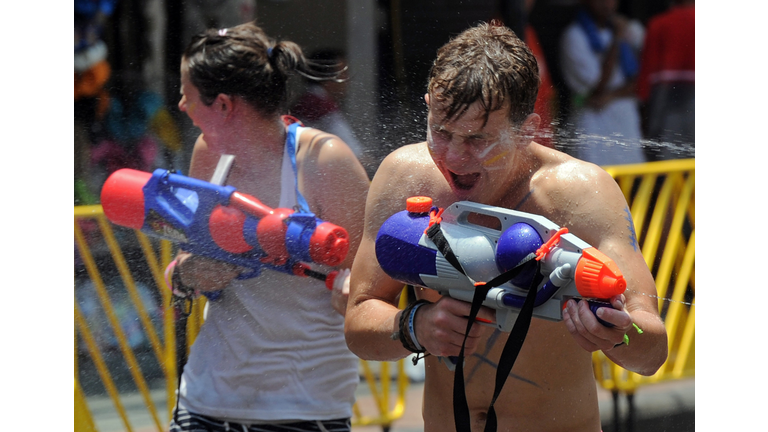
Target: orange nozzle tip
<point>418,204</point>
<point>620,284</point>
<point>598,276</point>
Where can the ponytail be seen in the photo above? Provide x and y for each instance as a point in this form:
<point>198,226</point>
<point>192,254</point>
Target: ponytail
<point>243,61</point>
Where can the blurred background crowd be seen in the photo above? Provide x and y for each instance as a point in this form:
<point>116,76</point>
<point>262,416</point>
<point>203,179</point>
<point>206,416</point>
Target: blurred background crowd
<point>617,76</point>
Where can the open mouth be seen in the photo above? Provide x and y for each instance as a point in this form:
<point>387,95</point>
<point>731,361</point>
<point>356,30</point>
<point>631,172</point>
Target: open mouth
<point>464,181</point>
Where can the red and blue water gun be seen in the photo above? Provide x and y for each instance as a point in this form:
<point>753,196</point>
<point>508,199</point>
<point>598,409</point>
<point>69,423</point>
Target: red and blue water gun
<point>221,223</point>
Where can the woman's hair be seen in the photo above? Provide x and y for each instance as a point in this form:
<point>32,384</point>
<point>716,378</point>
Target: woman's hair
<point>243,61</point>
<point>489,64</point>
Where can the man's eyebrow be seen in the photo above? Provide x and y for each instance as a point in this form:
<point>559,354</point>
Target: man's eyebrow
<point>438,127</point>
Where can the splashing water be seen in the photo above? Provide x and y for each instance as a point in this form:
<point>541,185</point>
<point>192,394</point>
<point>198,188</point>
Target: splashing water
<point>615,149</point>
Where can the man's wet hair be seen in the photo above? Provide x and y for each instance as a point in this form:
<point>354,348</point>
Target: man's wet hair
<point>489,64</point>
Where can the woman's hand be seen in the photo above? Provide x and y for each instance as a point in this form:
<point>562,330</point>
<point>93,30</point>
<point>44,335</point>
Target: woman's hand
<point>205,274</point>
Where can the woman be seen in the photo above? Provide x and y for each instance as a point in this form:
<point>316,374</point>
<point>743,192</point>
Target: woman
<point>272,350</point>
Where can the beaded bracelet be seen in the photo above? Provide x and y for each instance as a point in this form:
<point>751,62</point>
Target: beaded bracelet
<point>168,273</point>
<point>173,281</point>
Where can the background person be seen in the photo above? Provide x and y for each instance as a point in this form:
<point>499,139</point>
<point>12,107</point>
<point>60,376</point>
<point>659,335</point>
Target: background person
<point>598,61</point>
<point>320,105</point>
<point>666,84</point>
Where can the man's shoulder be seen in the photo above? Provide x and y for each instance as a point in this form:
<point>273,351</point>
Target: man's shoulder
<point>406,171</point>
<point>576,170</point>
<point>552,162</point>
<point>410,150</point>
<point>568,178</point>
<point>408,157</point>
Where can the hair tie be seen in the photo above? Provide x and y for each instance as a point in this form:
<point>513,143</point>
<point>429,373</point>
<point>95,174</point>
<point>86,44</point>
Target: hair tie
<point>222,32</point>
<point>269,52</point>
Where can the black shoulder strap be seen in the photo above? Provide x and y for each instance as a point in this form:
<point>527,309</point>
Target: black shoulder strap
<point>514,342</point>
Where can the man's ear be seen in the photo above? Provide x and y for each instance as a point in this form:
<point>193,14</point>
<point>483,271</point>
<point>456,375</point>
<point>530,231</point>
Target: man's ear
<point>531,125</point>
<point>426,98</point>
<point>223,104</point>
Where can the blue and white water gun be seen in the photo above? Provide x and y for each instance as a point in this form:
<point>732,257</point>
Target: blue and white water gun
<point>571,268</point>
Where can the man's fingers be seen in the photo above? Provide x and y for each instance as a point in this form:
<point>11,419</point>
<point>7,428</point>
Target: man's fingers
<point>589,333</point>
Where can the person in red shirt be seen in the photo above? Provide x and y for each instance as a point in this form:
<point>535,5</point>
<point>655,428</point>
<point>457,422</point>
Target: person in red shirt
<point>666,84</point>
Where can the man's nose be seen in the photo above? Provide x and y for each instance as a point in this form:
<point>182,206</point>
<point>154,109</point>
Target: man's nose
<point>455,152</point>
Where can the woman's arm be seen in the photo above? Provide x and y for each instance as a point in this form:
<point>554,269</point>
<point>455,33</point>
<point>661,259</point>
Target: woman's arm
<point>195,271</point>
<point>336,185</point>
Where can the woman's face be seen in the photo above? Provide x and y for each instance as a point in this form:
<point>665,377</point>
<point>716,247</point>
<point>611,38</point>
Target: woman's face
<point>190,103</point>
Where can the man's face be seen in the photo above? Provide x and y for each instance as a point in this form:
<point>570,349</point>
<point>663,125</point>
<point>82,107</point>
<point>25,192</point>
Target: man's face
<point>475,158</point>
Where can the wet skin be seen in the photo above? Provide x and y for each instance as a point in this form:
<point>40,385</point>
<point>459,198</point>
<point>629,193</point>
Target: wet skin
<point>551,387</point>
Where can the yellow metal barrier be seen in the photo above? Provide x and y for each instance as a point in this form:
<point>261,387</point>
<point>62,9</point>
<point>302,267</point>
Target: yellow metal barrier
<point>112,354</point>
<point>661,197</point>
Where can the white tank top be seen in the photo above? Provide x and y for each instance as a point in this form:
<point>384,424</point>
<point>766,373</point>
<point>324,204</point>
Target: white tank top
<point>272,348</point>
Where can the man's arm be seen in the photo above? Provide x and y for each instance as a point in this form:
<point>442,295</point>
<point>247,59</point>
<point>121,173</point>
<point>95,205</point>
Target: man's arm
<point>372,313</point>
<point>607,224</point>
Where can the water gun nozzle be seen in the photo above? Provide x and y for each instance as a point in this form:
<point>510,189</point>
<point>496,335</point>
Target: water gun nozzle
<point>329,244</point>
<point>598,276</point>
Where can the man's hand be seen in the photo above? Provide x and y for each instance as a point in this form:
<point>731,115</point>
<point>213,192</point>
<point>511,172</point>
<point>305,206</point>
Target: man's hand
<point>440,327</point>
<point>205,274</point>
<point>589,333</point>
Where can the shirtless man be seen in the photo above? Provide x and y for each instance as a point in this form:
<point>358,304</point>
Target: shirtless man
<point>481,93</point>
